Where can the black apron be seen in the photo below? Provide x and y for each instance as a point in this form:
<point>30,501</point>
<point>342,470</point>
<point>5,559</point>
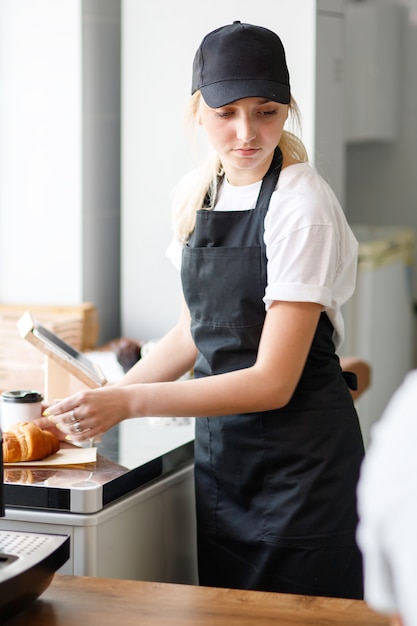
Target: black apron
<point>275,490</point>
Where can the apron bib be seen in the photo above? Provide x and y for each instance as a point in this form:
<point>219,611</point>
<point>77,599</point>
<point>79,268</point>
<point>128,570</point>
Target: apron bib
<point>275,491</point>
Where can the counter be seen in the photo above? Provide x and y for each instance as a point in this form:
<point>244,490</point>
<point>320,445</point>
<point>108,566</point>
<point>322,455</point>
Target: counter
<point>145,451</point>
<point>129,517</point>
<point>73,600</point>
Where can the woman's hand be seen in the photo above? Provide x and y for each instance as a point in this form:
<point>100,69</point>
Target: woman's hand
<point>90,413</point>
<point>87,414</point>
<point>46,424</point>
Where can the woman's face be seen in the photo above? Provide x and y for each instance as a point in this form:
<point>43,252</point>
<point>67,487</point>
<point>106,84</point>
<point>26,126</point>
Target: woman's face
<point>245,134</point>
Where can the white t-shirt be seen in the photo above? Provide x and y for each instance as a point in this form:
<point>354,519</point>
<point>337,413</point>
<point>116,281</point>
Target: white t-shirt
<point>387,505</point>
<point>311,250</point>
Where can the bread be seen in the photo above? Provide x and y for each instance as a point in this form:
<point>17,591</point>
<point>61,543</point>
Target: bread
<point>25,441</point>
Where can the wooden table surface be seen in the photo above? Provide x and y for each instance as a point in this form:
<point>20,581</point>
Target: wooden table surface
<point>87,601</point>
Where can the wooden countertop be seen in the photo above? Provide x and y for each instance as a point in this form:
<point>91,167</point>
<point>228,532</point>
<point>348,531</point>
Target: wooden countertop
<point>78,600</point>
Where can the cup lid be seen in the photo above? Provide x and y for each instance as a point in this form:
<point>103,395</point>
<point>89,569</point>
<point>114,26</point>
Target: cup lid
<point>22,396</point>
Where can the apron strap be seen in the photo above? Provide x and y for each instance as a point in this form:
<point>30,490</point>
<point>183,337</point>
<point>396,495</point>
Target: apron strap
<point>270,179</point>
<point>351,380</point>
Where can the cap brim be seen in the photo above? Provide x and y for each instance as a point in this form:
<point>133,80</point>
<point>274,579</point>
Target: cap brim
<point>221,93</point>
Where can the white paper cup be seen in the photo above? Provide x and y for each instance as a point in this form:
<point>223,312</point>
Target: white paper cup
<point>21,405</point>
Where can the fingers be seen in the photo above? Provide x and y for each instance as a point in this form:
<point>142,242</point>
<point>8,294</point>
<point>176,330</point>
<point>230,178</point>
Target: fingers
<point>46,424</point>
<point>66,416</point>
<point>43,422</point>
<point>72,424</point>
<point>82,416</point>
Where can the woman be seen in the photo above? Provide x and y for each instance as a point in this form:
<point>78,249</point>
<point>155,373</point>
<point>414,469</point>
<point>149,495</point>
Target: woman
<point>267,259</point>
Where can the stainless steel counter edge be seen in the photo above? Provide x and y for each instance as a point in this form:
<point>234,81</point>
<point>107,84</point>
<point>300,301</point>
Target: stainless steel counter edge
<point>92,519</point>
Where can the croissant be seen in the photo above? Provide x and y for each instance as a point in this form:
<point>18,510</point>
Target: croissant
<point>25,441</point>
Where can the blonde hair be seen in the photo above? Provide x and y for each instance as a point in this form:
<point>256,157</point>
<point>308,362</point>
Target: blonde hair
<point>199,189</point>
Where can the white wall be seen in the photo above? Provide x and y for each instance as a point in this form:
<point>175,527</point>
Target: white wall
<point>40,144</point>
<point>159,42</point>
<point>60,154</point>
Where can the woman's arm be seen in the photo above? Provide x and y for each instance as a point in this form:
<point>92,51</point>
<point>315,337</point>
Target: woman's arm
<point>172,357</point>
<point>286,339</point>
<point>285,343</point>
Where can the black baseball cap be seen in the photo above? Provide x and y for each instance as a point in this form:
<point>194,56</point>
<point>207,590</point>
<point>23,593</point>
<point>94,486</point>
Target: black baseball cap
<point>241,61</point>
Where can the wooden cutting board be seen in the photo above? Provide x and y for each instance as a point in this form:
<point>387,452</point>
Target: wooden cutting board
<point>64,456</point>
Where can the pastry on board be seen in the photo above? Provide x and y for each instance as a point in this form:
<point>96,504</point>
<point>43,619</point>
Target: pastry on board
<point>25,441</point>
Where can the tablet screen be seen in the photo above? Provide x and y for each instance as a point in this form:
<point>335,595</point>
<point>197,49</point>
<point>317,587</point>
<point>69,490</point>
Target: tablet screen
<point>58,350</point>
